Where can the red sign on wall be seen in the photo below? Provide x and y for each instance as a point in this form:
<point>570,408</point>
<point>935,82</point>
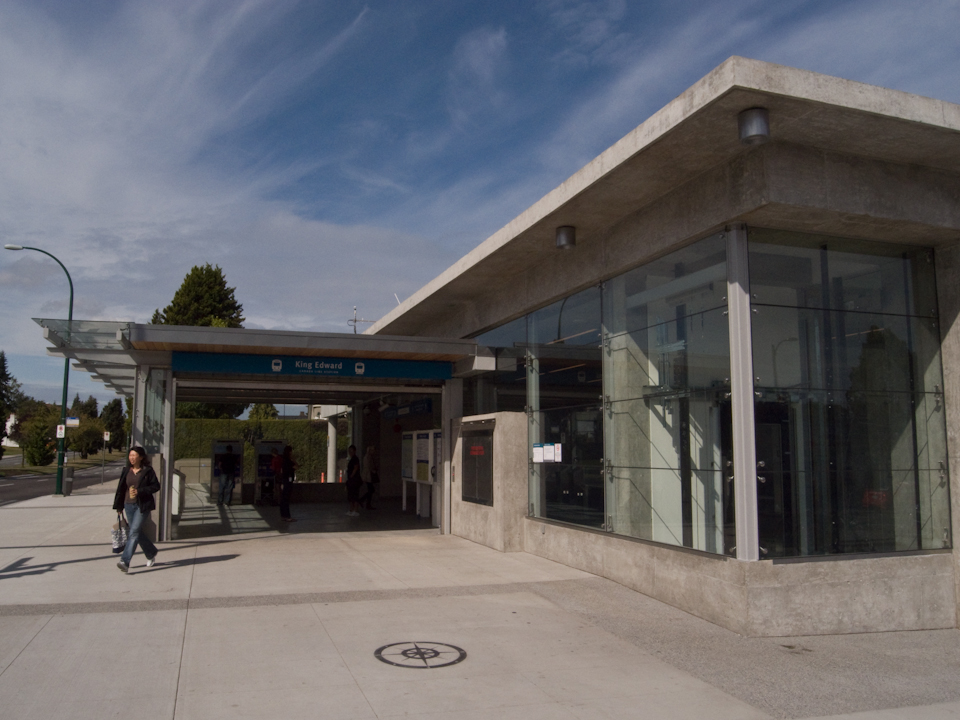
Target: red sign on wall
<point>476,450</point>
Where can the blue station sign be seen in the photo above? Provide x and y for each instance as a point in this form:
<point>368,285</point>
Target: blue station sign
<point>231,364</point>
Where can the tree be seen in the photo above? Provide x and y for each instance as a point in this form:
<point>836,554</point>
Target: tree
<point>88,438</point>
<point>10,395</point>
<point>209,411</point>
<point>263,411</point>
<point>27,409</point>
<point>112,417</point>
<point>203,300</point>
<point>39,437</point>
<point>83,409</point>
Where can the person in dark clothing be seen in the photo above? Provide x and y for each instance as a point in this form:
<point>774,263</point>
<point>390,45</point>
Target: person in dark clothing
<point>370,476</point>
<point>134,496</point>
<point>354,482</point>
<point>228,476</point>
<point>287,473</point>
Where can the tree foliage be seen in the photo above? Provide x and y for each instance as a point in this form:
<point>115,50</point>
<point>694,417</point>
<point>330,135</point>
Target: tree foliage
<point>113,418</point>
<point>263,411</point>
<point>83,408</point>
<point>209,411</point>
<point>88,438</point>
<point>39,442</point>
<point>203,300</point>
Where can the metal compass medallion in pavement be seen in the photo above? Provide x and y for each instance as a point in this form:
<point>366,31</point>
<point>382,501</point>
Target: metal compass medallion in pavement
<point>420,655</point>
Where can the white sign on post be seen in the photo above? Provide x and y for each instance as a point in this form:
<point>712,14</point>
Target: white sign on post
<point>106,437</point>
<point>61,431</point>
<point>73,422</point>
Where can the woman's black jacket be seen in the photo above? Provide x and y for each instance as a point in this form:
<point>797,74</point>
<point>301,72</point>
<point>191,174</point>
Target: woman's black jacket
<point>147,485</point>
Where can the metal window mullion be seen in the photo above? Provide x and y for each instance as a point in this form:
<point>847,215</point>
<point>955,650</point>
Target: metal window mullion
<point>166,493</point>
<point>742,394</point>
<point>139,405</point>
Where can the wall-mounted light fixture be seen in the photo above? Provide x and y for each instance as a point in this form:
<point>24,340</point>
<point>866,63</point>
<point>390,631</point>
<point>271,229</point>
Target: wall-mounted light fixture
<point>754,126</point>
<point>566,237</point>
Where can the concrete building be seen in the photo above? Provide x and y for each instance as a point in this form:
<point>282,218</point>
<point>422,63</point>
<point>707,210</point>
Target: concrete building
<point>717,365</point>
<point>739,324</point>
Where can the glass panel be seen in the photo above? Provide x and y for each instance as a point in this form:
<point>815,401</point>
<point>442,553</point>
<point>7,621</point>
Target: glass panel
<point>666,369</point>
<point>564,383</point>
<point>153,411</point>
<point>800,348</point>
<point>839,274</point>
<point>505,388</point>
<point>850,429</point>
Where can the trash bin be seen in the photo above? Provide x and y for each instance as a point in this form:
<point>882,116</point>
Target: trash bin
<point>67,480</point>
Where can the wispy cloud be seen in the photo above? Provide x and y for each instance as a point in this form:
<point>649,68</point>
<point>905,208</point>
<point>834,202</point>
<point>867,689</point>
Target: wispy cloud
<point>328,154</point>
<point>479,61</point>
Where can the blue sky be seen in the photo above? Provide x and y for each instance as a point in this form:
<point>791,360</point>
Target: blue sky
<point>331,154</point>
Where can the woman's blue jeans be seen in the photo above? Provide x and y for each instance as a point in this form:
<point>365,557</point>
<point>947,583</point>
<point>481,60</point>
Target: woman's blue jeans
<point>135,534</point>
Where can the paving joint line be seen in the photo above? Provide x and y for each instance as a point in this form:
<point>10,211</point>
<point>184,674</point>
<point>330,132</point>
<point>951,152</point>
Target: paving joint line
<point>334,596</point>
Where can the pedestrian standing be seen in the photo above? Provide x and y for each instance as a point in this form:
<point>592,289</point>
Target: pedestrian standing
<point>228,476</point>
<point>354,482</point>
<point>371,477</point>
<point>134,497</point>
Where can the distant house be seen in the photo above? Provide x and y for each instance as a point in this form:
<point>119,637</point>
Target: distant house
<point>11,421</point>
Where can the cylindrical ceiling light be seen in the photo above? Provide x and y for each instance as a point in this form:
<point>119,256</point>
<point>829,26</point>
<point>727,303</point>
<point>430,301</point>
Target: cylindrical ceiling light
<point>754,126</point>
<point>566,237</point>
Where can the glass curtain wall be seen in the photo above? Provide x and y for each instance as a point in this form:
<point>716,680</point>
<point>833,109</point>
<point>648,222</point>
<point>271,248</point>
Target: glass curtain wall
<point>850,428</point>
<point>666,370</point>
<point>632,382</point>
<point>564,384</point>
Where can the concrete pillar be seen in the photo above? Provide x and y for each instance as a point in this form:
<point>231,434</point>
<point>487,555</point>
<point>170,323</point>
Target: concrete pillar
<point>451,403</point>
<point>332,448</point>
<point>948,299</point>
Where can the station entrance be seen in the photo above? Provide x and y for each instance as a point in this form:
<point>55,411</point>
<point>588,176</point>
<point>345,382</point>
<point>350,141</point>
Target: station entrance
<point>225,479</point>
<point>393,398</point>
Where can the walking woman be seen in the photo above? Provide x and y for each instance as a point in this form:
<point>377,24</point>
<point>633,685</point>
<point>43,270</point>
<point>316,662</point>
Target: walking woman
<point>138,483</point>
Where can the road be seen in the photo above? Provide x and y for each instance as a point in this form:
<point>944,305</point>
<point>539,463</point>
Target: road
<point>15,489</point>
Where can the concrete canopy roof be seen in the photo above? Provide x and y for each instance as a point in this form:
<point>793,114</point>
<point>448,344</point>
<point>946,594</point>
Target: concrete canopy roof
<point>692,134</point>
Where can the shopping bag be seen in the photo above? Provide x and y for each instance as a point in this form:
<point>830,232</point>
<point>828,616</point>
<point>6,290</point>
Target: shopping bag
<point>119,534</point>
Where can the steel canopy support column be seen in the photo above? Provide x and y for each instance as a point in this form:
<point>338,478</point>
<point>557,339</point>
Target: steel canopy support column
<point>139,405</point>
<point>742,397</point>
<point>451,409</point>
<point>166,482</point>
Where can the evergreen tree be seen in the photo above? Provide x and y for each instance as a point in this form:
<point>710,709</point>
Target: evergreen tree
<point>112,417</point>
<point>203,300</point>
<point>38,438</point>
<point>83,408</point>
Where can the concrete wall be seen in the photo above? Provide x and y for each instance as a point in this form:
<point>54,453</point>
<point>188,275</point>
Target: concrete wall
<point>767,598</point>
<point>948,291</point>
<point>776,185</point>
<point>499,526</point>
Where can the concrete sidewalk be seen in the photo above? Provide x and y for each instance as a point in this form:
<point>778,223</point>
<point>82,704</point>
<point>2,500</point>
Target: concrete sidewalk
<point>285,624</point>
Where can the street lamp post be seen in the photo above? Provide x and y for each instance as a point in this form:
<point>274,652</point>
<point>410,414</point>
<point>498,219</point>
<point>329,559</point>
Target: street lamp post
<point>66,368</point>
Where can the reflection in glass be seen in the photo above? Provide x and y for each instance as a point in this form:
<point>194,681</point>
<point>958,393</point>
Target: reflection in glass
<point>666,369</point>
<point>850,429</point>
<point>564,382</point>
